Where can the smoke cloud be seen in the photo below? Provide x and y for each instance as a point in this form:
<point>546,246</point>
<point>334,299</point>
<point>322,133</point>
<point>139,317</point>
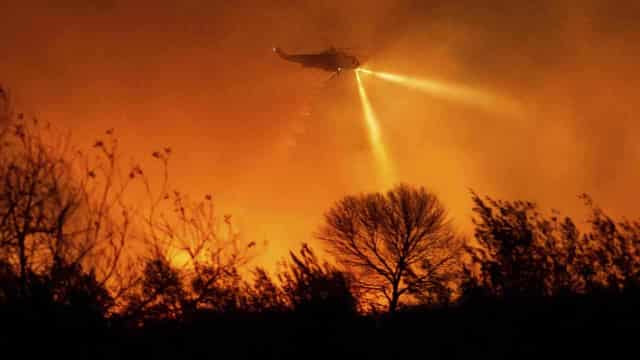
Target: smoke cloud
<point>278,144</point>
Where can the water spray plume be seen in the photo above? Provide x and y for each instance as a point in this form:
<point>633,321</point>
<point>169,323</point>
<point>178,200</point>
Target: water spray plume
<point>458,93</point>
<point>375,137</point>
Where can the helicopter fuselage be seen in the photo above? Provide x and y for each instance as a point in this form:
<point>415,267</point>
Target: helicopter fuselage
<point>330,60</point>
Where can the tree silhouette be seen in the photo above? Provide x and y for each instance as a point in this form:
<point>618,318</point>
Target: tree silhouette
<point>60,214</point>
<point>513,262</point>
<point>523,252</point>
<point>264,295</point>
<point>614,249</point>
<point>161,294</point>
<point>399,243</point>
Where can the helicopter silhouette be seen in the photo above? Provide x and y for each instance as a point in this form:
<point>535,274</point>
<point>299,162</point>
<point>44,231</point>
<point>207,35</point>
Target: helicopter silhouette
<point>331,60</point>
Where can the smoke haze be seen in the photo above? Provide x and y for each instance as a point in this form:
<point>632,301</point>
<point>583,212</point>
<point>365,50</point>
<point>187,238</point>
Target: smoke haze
<point>276,144</point>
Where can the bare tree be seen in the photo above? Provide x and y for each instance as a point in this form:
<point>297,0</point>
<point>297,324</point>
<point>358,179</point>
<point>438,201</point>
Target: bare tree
<point>58,208</point>
<point>396,244</point>
<point>199,250</point>
<point>63,212</point>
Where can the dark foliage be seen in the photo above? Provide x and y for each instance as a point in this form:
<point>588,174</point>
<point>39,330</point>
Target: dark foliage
<point>524,253</point>
<point>311,287</point>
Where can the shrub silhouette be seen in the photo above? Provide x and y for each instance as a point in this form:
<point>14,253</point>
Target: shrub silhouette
<point>316,288</point>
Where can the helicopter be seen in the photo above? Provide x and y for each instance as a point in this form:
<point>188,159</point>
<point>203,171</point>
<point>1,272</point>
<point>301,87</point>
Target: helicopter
<point>331,60</point>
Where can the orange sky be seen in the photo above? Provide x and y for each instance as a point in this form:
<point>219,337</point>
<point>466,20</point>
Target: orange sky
<point>277,145</point>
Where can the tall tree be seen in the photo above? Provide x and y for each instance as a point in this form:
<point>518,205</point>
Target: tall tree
<point>397,244</point>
